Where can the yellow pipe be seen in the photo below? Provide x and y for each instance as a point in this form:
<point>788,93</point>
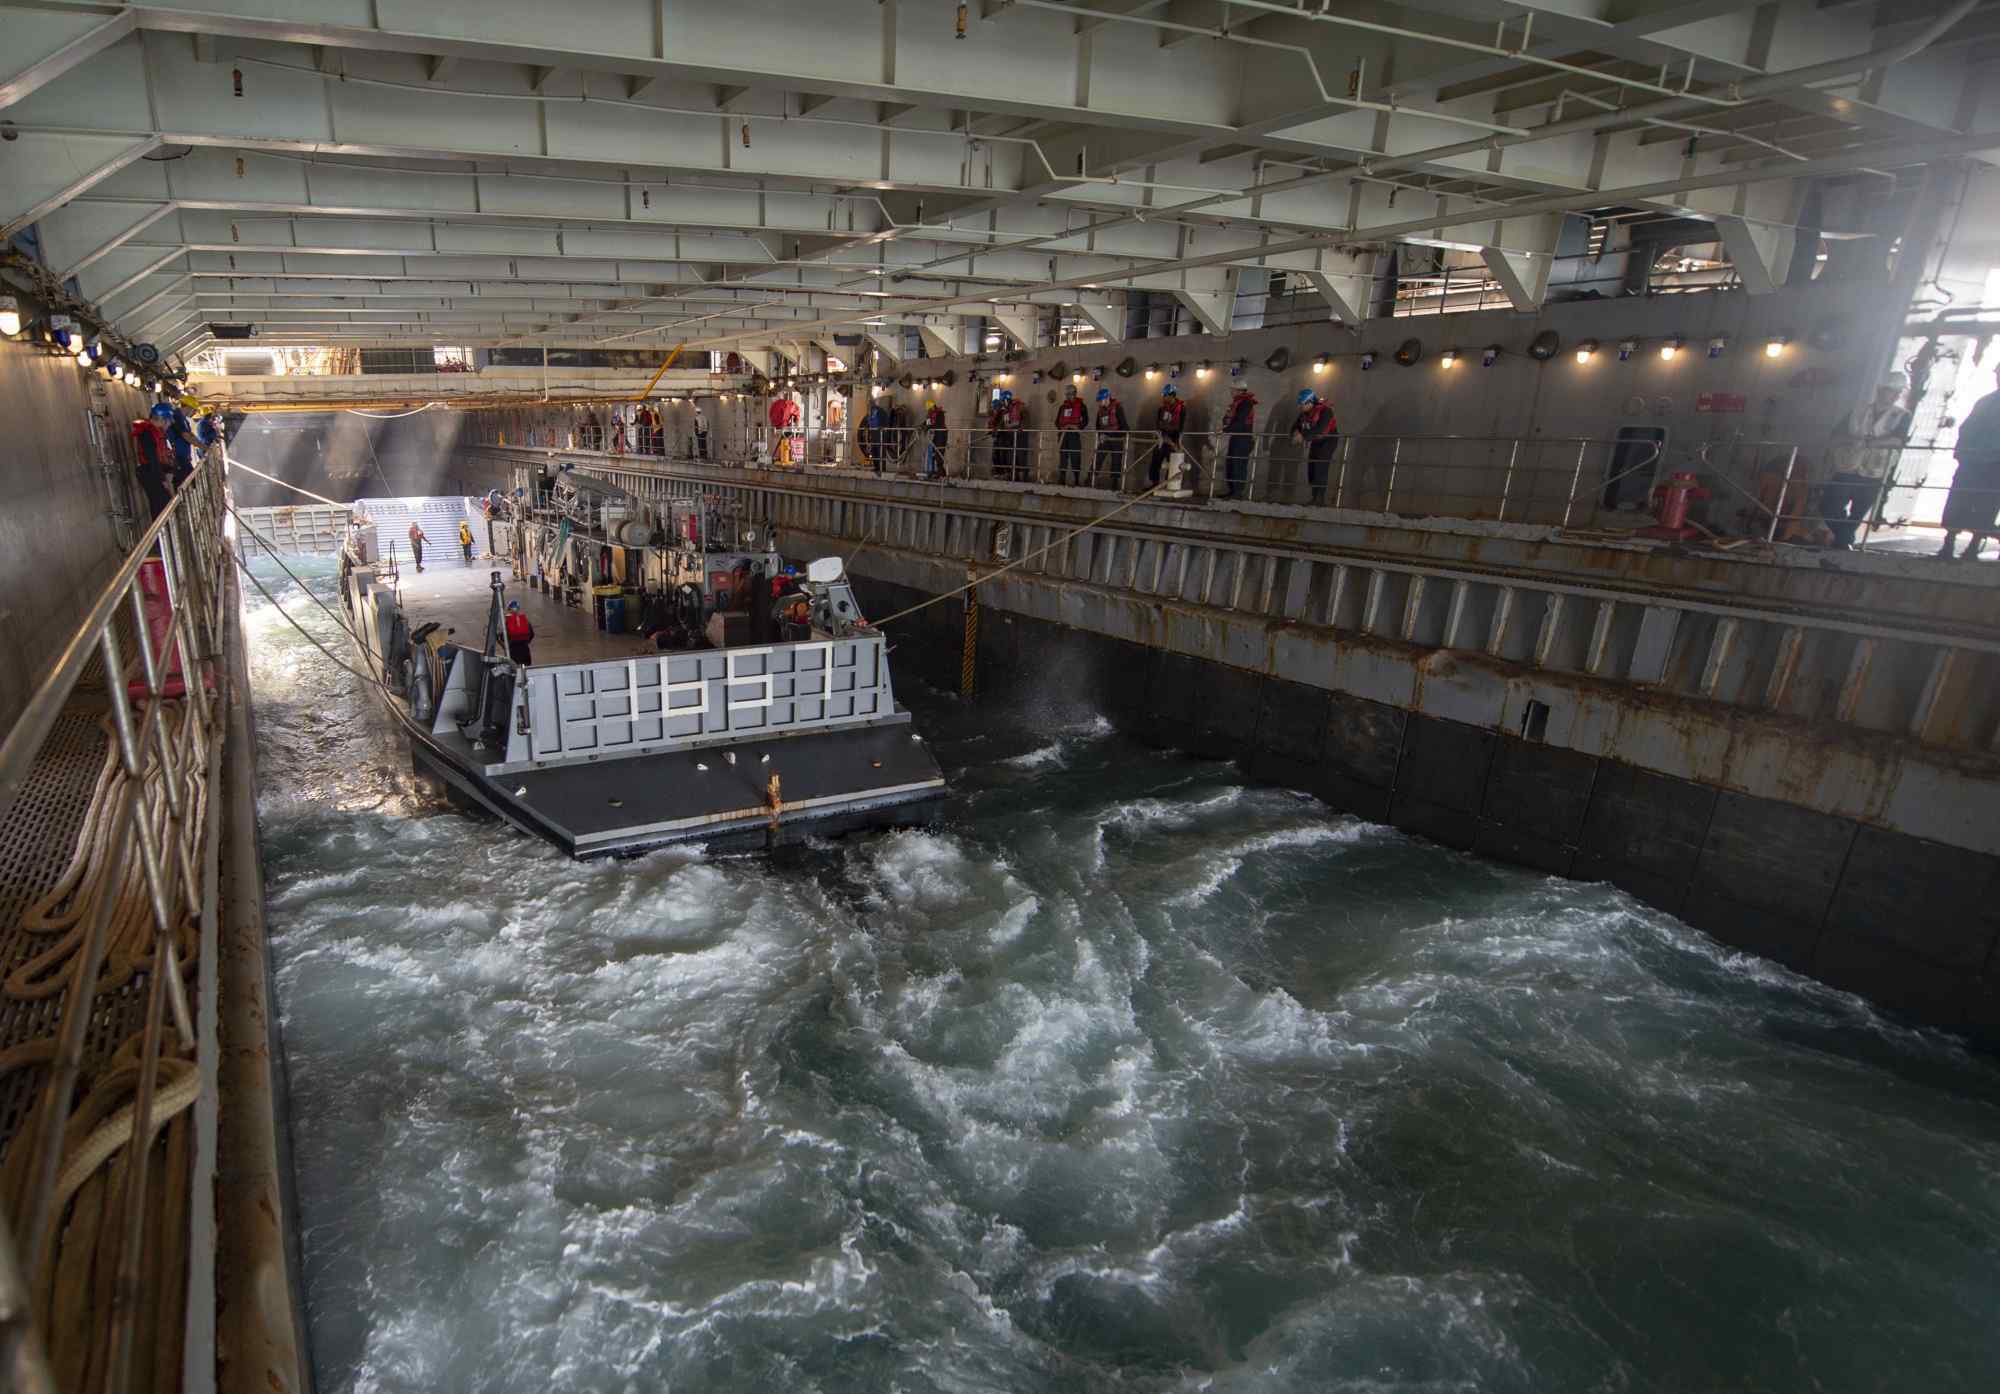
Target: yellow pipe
<point>648,391</point>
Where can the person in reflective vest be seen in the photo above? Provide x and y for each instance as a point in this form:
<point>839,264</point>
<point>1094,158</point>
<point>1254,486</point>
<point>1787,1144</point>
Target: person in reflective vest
<point>1170,422</point>
<point>1316,429</point>
<point>1240,425</point>
<point>1107,470</point>
<point>465,539</point>
<point>934,451</point>
<point>1070,419</point>
<point>520,634</point>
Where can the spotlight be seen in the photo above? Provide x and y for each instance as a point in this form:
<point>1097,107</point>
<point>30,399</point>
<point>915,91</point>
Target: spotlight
<point>1152,370</point>
<point>1367,360</point>
<point>1586,350</point>
<point>1201,369</point>
<point>10,316</point>
<point>1776,347</point>
<point>1320,363</point>
<point>1076,377</point>
<point>1626,348</point>
<point>1670,348</point>
<point>1489,355</point>
<point>82,352</point>
<point>1448,358</point>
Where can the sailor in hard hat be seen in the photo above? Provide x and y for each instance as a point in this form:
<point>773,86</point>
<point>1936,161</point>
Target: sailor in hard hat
<point>1314,428</point>
<point>1866,446</point>
<point>520,633</point>
<point>1107,468</point>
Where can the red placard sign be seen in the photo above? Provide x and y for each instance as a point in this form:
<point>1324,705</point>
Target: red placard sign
<point>1721,401</point>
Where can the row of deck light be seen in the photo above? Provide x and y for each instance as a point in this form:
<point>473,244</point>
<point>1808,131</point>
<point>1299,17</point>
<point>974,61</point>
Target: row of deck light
<point>63,334</point>
<point>1774,347</point>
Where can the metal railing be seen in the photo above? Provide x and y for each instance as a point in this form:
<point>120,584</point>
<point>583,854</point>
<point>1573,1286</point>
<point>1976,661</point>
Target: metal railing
<point>1771,490</point>
<point>140,893</point>
<point>1541,479</point>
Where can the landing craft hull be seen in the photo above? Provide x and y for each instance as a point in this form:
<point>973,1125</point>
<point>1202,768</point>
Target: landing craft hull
<point>711,790</point>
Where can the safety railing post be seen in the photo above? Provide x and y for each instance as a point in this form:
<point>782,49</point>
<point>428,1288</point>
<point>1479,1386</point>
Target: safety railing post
<point>1507,479</point>
<point>1576,477</point>
<point>1395,460</point>
<point>1340,482</point>
<point>1784,489</point>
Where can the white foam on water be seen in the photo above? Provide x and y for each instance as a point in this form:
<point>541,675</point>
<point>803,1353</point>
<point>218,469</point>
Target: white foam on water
<point>1080,1095</point>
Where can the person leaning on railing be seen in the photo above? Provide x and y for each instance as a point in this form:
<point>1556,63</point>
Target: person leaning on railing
<point>1866,445</point>
<point>1975,487</point>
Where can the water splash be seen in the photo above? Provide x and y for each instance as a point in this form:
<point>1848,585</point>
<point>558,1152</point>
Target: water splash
<point>1128,1076</point>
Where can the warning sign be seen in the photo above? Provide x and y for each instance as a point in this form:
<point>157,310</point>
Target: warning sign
<point>1721,401</point>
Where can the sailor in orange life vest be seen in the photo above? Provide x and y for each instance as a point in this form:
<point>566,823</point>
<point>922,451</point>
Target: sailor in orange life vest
<point>1070,419</point>
<point>520,633</point>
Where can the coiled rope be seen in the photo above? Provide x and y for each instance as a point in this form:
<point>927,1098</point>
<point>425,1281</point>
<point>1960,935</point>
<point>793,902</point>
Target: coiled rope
<point>74,1287</point>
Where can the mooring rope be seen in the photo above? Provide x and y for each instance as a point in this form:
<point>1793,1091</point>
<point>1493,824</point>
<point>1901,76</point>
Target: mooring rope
<point>1023,560</point>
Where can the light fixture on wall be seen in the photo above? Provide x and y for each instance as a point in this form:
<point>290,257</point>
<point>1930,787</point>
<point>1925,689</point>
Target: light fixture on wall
<point>1201,369</point>
<point>1448,359</point>
<point>1717,345</point>
<point>1097,373</point>
<point>1489,355</point>
<point>1367,360</point>
<point>1775,347</point>
<point>1077,377</point>
<point>1626,348</point>
<point>1236,368</point>
<point>1321,363</point>
<point>1586,350</point>
<point>1152,371</point>
<point>83,354</point>
<point>1671,349</point>
<point>10,316</point>
<point>1176,370</point>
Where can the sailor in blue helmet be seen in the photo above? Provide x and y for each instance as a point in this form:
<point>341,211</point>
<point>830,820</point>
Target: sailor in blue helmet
<point>1315,429</point>
<point>1107,469</point>
<point>1170,422</point>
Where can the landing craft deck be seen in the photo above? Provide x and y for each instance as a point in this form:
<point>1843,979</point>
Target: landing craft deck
<point>606,743</point>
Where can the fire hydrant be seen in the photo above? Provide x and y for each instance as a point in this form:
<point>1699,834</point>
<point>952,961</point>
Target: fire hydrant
<point>1670,507</point>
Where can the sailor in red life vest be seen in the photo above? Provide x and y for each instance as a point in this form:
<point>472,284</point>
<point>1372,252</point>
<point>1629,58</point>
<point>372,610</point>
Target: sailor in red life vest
<point>1170,422</point>
<point>1108,468</point>
<point>1319,433</point>
<point>1240,425</point>
<point>1005,425</point>
<point>934,448</point>
<point>520,634</point>
<point>1070,421</point>
<point>149,448</point>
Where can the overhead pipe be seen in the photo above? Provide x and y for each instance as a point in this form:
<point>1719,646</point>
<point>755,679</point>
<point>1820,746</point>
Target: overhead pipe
<point>1555,203</point>
<point>1792,78</point>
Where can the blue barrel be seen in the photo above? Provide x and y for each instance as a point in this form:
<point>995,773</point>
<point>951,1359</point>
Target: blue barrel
<point>614,614</point>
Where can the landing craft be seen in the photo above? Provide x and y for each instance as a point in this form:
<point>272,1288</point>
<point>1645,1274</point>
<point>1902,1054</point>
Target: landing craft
<point>683,684</point>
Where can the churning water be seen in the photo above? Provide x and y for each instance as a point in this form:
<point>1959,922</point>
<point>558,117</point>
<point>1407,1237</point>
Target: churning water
<point>1129,1077</point>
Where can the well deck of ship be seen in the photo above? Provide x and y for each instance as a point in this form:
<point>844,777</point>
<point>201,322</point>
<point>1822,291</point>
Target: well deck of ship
<point>458,593</point>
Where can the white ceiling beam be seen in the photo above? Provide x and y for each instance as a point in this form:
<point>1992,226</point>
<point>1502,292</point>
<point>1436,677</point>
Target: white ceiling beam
<point>43,46</point>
